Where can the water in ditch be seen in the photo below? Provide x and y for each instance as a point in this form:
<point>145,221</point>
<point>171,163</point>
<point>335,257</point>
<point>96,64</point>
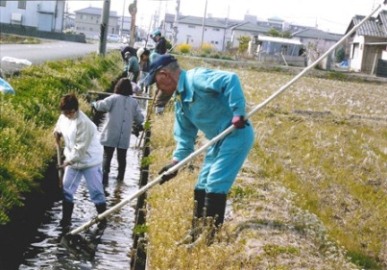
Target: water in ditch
<point>107,250</point>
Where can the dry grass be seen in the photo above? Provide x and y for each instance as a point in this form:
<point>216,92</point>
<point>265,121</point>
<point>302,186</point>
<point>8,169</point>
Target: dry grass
<point>312,194</point>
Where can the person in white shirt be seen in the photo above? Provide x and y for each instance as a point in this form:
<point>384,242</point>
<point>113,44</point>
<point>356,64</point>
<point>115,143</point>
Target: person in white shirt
<point>83,157</point>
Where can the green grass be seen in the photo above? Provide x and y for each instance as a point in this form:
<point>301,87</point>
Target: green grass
<point>323,144</point>
<point>14,39</point>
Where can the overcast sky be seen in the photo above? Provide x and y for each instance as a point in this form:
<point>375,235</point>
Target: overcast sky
<point>328,15</point>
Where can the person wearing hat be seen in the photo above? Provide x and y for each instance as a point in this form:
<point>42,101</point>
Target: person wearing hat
<point>210,101</point>
<point>161,43</point>
<point>143,62</point>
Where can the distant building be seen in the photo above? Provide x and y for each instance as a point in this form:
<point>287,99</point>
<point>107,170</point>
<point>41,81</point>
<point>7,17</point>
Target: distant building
<point>124,24</point>
<point>225,33</point>
<point>45,16</point>
<point>88,21</point>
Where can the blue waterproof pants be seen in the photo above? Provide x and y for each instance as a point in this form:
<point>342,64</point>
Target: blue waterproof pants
<point>93,176</point>
<point>224,160</point>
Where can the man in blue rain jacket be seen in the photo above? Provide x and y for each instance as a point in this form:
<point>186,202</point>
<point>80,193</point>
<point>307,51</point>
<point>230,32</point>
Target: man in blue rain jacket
<point>210,101</point>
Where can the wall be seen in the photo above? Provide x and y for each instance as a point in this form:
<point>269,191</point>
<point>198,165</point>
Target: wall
<point>90,24</point>
<point>356,53</point>
<point>193,34</point>
<point>39,14</point>
<point>34,32</point>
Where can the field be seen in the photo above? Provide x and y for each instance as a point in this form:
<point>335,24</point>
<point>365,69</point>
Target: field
<point>312,194</point>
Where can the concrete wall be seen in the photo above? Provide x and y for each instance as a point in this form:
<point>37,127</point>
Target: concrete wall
<point>34,32</point>
<point>43,15</point>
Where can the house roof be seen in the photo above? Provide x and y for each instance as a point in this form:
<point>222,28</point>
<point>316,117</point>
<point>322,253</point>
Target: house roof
<point>95,11</point>
<point>210,22</point>
<point>280,40</point>
<point>373,27</point>
<point>316,34</point>
<point>251,27</point>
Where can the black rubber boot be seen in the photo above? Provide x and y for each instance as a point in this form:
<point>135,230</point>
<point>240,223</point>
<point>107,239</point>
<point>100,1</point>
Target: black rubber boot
<point>105,183</point>
<point>197,220</point>
<point>100,209</point>
<point>215,204</point>
<point>121,174</point>
<point>67,212</point>
<point>105,179</point>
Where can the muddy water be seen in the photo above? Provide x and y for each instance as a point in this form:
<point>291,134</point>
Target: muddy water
<point>107,250</point>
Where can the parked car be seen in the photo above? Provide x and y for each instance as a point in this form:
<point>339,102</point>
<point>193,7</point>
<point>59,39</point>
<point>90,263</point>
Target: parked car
<point>113,38</point>
<point>150,45</point>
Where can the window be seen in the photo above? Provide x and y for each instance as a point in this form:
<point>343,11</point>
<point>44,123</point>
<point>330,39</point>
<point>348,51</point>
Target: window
<point>191,26</point>
<point>22,4</point>
<point>216,29</point>
<point>3,3</point>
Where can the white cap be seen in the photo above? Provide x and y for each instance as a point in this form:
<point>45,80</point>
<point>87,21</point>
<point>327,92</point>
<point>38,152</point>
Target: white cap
<point>140,51</point>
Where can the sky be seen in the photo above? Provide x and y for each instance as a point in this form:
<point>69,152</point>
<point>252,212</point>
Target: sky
<point>328,15</point>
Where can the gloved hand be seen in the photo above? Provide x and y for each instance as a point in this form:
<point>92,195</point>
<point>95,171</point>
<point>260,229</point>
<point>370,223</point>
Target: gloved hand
<point>136,129</point>
<point>238,121</point>
<point>167,177</point>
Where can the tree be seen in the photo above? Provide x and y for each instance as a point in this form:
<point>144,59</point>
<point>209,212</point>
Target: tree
<point>275,33</point>
<point>340,55</point>
<point>243,43</point>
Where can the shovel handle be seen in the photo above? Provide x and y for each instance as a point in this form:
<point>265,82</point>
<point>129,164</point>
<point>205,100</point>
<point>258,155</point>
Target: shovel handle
<point>59,160</point>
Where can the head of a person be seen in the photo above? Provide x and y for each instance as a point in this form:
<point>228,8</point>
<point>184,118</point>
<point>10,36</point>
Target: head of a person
<point>69,105</point>
<point>164,71</point>
<point>156,35</point>
<point>143,54</point>
<point>123,87</point>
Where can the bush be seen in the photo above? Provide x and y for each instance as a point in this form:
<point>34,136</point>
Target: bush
<point>184,48</point>
<point>207,48</point>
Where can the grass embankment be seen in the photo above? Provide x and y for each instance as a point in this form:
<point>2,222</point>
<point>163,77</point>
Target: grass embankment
<point>14,39</point>
<point>312,194</point>
<point>27,119</point>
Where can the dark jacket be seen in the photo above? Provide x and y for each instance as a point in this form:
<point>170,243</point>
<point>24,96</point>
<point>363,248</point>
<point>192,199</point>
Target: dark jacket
<point>161,46</point>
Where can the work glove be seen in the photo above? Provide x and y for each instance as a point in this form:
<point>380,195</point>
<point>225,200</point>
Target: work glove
<point>238,121</point>
<point>136,129</point>
<point>167,177</point>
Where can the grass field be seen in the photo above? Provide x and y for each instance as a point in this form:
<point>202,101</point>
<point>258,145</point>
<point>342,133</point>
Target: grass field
<point>312,194</point>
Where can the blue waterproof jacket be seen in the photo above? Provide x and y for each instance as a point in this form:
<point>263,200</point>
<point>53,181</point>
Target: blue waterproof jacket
<point>205,100</point>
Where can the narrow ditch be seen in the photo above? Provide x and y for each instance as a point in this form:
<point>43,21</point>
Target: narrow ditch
<point>32,239</point>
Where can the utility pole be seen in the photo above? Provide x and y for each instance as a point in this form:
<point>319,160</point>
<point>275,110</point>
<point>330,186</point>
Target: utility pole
<point>104,27</point>
<point>204,22</point>
<point>176,22</point>
<point>122,19</point>
<point>133,11</point>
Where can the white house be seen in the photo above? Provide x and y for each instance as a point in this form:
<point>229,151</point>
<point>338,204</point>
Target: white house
<point>88,21</point>
<point>191,31</point>
<point>43,15</point>
<point>369,44</point>
<point>124,25</point>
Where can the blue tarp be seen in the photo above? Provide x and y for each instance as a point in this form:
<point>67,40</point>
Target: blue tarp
<point>5,87</point>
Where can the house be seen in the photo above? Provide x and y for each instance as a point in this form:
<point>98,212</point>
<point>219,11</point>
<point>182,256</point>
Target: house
<point>368,45</point>
<point>124,25</point>
<point>317,42</point>
<point>47,16</point>
<point>192,30</point>
<point>88,21</point>
<point>225,33</point>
